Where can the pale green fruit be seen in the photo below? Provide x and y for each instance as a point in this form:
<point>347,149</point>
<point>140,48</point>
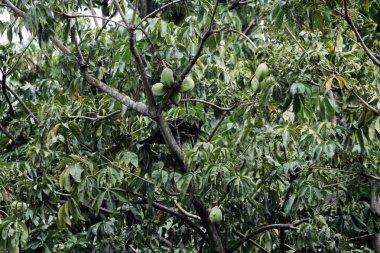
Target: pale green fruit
<point>158,89</point>
<point>216,215</point>
<point>255,85</point>
<point>265,83</point>
<point>167,77</point>
<point>262,71</point>
<point>176,98</point>
<point>187,85</point>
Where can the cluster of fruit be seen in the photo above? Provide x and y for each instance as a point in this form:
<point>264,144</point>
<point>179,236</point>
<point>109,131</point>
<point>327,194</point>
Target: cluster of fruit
<point>167,81</point>
<point>258,82</point>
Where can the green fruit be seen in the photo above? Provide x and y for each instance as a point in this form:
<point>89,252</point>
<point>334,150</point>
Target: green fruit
<point>176,98</point>
<point>255,85</point>
<point>262,71</point>
<point>216,215</point>
<point>187,85</point>
<point>158,89</point>
<point>167,77</point>
<point>265,83</point>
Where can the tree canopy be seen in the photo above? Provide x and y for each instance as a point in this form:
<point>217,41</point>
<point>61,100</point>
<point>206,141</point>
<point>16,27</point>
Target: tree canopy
<point>275,148</point>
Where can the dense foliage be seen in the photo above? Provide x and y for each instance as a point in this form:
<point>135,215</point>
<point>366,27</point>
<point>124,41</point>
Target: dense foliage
<point>91,161</point>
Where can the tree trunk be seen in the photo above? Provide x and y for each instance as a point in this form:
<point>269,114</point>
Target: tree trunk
<point>375,205</point>
<point>145,7</point>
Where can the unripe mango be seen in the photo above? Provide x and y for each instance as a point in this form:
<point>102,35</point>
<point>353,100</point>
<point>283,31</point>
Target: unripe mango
<point>262,71</point>
<point>158,89</point>
<point>167,77</point>
<point>255,85</point>
<point>176,98</point>
<point>216,215</point>
<point>187,84</point>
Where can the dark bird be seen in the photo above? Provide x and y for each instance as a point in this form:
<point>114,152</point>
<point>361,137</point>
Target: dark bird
<point>182,129</point>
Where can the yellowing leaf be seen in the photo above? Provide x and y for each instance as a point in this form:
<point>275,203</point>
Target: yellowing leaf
<point>342,82</point>
<point>328,83</point>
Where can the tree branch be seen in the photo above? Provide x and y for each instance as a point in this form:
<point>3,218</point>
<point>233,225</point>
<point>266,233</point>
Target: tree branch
<point>262,229</point>
<point>124,99</point>
<point>18,59</point>
<point>219,123</point>
<point>349,21</point>
<point>238,3</point>
<point>208,103</point>
<point>370,107</point>
<point>92,16</point>
<point>7,133</point>
<point>123,17</point>
<point>170,141</point>
<point>140,66</point>
<point>241,235</point>
<point>187,69</point>
<point>97,118</point>
<point>244,36</point>
<point>14,8</point>
<point>215,240</point>
<point>22,103</point>
<point>93,12</point>
<point>157,11</point>
<point>183,211</point>
<point>174,213</point>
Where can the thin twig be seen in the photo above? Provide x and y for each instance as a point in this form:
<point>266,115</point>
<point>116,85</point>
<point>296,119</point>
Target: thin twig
<point>241,235</point>
<point>7,133</point>
<point>123,17</point>
<point>183,211</point>
<point>244,36</point>
<point>218,124</point>
<point>93,12</point>
<point>208,103</point>
<point>292,226</point>
<point>18,59</point>
<point>370,107</point>
<point>92,16</point>
<point>157,11</point>
<point>97,118</point>
<point>295,39</point>
<point>22,103</point>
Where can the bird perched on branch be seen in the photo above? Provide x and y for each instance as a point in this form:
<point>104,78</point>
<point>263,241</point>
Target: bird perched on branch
<point>181,130</point>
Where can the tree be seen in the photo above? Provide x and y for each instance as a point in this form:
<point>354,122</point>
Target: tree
<point>286,160</point>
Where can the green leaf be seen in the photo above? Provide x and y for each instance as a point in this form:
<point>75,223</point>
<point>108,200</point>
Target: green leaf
<point>289,204</point>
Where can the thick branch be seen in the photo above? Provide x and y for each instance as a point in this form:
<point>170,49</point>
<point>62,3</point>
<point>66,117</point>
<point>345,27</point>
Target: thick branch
<point>262,229</point>
<point>14,8</point>
<point>124,99</point>
<point>170,140</point>
<point>215,240</point>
